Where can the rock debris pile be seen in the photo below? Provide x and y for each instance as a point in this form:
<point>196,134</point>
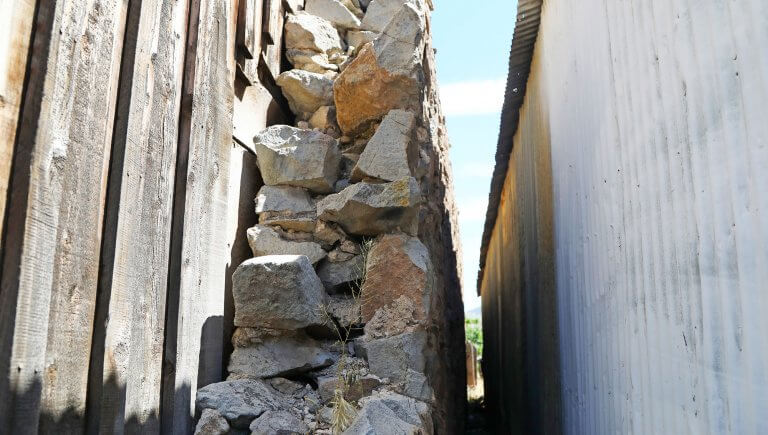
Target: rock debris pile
<point>335,314</point>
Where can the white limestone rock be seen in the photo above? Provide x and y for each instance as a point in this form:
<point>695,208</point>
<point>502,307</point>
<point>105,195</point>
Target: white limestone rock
<point>239,401</point>
<point>263,240</point>
<point>370,209</point>
<point>386,156</point>
<point>333,11</point>
<point>283,355</point>
<point>311,61</point>
<point>289,207</point>
<point>308,32</point>
<point>379,13</point>
<point>306,91</point>
<point>358,38</point>
<point>279,292</point>
<point>294,157</point>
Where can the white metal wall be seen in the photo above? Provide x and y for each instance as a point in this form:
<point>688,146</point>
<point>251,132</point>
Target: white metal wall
<point>658,116</point>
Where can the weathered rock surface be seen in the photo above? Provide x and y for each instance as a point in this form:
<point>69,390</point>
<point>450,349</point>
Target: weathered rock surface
<point>308,32</point>
<point>211,423</point>
<point>277,291</point>
<point>278,423</point>
<point>385,75</point>
<point>393,319</point>
<point>286,355</point>
<point>239,401</point>
<point>358,38</point>
<point>389,153</point>
<point>370,209</point>
<point>380,12</point>
<point>265,241</point>
<point>334,12</point>
<point>398,265</point>
<point>306,91</point>
<point>345,310</point>
<point>335,274</point>
<point>402,360</point>
<point>301,158</point>
<point>289,207</point>
<point>392,414</point>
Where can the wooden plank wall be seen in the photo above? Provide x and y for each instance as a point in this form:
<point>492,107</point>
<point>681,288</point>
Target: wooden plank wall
<point>129,194</point>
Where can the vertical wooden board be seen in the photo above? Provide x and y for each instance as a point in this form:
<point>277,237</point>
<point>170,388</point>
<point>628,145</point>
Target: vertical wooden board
<point>15,35</point>
<point>51,259</point>
<point>124,392</point>
<point>249,27</point>
<point>194,353</point>
<point>272,40</point>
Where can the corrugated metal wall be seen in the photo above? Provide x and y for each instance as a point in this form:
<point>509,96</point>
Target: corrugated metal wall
<point>655,116</point>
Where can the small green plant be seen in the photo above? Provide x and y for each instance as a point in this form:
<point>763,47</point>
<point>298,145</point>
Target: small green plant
<point>474,332</point>
<point>347,375</point>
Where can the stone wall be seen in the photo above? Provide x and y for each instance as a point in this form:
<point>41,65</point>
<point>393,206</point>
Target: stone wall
<point>349,316</point>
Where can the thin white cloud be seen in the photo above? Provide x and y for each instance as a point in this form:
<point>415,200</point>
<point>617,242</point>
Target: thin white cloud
<point>479,97</point>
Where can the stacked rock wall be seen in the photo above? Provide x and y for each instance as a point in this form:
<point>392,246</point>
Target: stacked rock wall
<point>349,318</point>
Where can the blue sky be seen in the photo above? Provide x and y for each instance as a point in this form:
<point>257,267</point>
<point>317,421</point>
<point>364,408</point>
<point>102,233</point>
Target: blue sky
<point>472,41</point>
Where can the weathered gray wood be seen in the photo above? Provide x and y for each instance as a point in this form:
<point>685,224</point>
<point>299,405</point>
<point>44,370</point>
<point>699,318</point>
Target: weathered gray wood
<point>124,393</point>
<point>51,252</point>
<point>15,34</point>
<point>272,39</point>
<point>249,27</point>
<point>194,345</point>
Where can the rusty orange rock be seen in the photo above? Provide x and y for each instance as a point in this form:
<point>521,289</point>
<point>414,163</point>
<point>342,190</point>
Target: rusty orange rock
<point>397,266</point>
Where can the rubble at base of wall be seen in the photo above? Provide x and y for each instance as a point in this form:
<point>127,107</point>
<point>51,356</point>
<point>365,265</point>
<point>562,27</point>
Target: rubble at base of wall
<point>348,318</point>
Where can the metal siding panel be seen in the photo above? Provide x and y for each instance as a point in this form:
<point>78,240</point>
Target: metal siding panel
<point>660,206</point>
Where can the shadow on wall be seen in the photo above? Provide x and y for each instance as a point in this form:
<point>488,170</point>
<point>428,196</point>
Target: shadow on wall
<point>72,420</point>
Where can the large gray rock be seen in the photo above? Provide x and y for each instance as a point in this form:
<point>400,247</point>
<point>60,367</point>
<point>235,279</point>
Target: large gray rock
<point>306,91</point>
<point>289,207</point>
<point>265,241</point>
<point>386,74</point>
<point>370,209</point>
<point>286,355</point>
<point>402,359</point>
<point>308,32</point>
<point>388,413</point>
<point>379,13</point>
<point>239,401</point>
<point>389,151</point>
<point>334,12</point>
<point>340,274</point>
<point>278,423</point>
<point>211,423</point>
<point>301,158</point>
<point>277,291</point>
